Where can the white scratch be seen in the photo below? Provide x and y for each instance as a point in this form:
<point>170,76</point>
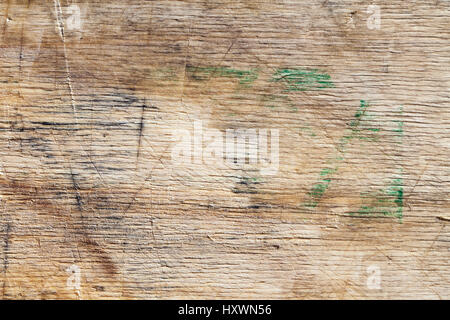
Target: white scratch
<point>58,13</point>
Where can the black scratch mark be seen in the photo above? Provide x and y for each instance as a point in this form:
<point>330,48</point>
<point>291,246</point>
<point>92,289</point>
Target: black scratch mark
<point>6,247</point>
<point>5,255</point>
<point>21,53</point>
<point>141,130</point>
<point>77,194</point>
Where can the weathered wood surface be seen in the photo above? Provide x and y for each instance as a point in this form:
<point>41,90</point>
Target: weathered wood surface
<point>88,113</point>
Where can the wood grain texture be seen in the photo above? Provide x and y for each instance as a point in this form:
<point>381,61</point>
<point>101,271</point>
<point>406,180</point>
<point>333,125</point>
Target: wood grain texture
<point>89,110</point>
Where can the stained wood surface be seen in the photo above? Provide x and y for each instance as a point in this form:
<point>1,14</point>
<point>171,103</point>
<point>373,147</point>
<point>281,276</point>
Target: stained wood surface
<point>88,116</point>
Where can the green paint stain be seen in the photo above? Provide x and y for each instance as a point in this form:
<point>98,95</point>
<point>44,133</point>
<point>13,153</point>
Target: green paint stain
<point>388,202</point>
<point>303,79</point>
<point>359,125</point>
<point>246,77</point>
<point>399,129</point>
<point>326,172</point>
<point>309,131</point>
<point>354,124</point>
<point>320,187</point>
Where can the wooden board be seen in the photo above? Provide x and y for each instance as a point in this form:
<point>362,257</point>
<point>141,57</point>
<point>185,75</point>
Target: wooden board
<point>95,96</point>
